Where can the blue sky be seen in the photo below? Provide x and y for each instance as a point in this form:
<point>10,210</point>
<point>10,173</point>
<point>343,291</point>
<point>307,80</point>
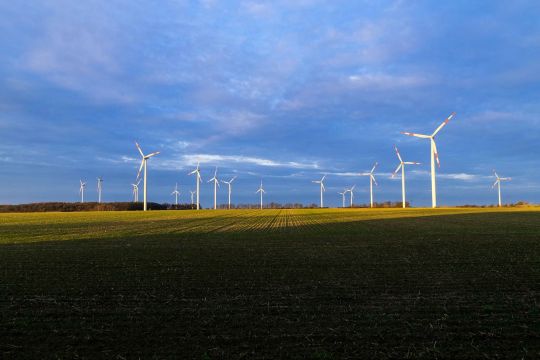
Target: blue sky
<point>281,90</point>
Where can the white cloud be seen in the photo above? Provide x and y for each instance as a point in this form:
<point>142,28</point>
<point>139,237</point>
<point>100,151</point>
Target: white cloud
<point>192,159</point>
<point>452,176</point>
<point>386,81</point>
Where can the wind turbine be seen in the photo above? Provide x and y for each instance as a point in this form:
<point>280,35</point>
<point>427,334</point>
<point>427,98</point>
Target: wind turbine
<point>192,193</point>
<point>343,197</point>
<point>402,167</point>
<point>371,181</point>
<point>321,182</point>
<point>351,190</point>
<point>143,165</point>
<point>136,191</point>
<point>261,190</point>
<point>434,156</point>
<point>198,180</point>
<point>99,188</point>
<point>216,184</point>
<point>81,190</point>
<point>229,185</point>
<point>176,193</point>
<point>498,183</point>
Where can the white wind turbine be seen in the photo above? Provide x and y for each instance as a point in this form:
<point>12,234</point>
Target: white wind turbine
<point>261,191</point>
<point>143,165</point>
<point>136,191</point>
<point>371,181</point>
<point>99,188</point>
<point>81,190</point>
<point>229,185</point>
<point>351,190</point>
<point>198,180</point>
<point>498,183</point>
<point>176,193</point>
<point>343,197</point>
<point>434,156</point>
<point>402,167</point>
<point>321,182</point>
<point>192,193</point>
<point>216,184</point>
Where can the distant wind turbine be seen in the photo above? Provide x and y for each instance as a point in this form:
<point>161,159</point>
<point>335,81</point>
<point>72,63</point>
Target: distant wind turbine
<point>351,190</point>
<point>321,182</point>
<point>192,193</point>
<point>498,183</point>
<point>261,191</point>
<point>198,180</point>
<point>229,183</point>
<point>371,181</point>
<point>343,197</point>
<point>143,165</point>
<point>216,184</point>
<point>81,190</point>
<point>99,188</point>
<point>434,156</point>
<point>402,167</point>
<point>136,191</point>
<point>176,193</point>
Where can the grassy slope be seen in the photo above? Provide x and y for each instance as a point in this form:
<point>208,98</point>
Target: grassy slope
<point>289,283</point>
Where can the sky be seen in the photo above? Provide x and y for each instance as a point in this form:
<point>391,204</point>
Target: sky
<point>280,91</point>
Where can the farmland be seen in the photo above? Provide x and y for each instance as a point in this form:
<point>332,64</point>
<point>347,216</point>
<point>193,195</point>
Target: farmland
<point>319,283</point>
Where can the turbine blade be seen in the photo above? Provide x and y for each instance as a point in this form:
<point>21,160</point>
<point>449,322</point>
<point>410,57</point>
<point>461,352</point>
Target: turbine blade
<point>139,148</point>
<point>436,153</point>
<point>373,178</point>
<point>495,183</point>
<point>397,153</point>
<point>397,169</point>
<point>411,163</point>
<point>152,154</point>
<point>416,135</point>
<point>444,123</point>
<point>234,177</point>
<point>323,178</point>
<point>322,185</point>
<point>374,166</point>
<point>140,168</point>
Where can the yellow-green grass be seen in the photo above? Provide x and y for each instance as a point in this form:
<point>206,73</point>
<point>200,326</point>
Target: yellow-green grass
<point>318,283</point>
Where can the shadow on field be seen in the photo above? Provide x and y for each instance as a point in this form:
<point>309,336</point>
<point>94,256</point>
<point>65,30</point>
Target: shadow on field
<point>436,286</point>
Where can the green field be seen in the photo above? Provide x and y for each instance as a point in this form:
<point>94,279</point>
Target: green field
<point>323,284</point>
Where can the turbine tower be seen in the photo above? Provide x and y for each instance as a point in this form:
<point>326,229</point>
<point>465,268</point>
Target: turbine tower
<point>498,183</point>
<point>321,182</point>
<point>434,156</point>
<point>229,185</point>
<point>99,188</point>
<point>136,191</point>
<point>371,181</point>
<point>216,184</point>
<point>351,190</point>
<point>176,193</point>
<point>261,191</point>
<point>143,165</point>
<point>81,190</point>
<point>402,167</point>
<point>343,197</point>
<point>198,180</point>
